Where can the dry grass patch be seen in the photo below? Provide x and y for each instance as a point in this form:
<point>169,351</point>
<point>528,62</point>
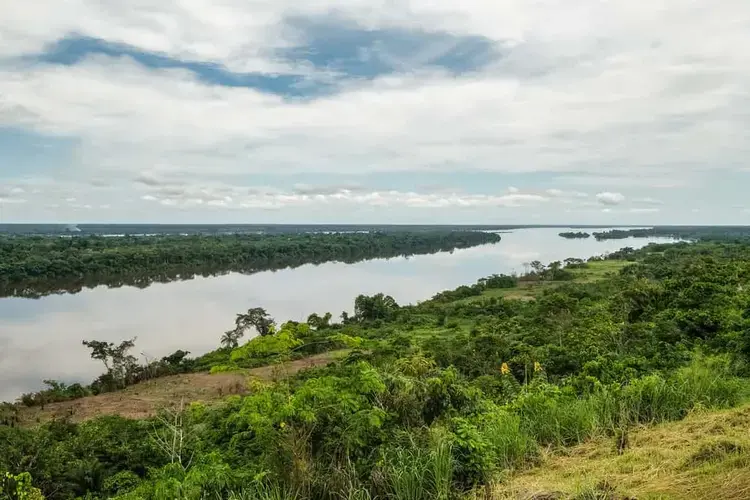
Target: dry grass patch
<point>145,399</point>
<point>705,456</point>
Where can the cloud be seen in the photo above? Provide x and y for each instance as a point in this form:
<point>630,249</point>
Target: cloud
<point>520,113</point>
<point>607,198</point>
<point>648,201</point>
<point>147,180</point>
<point>343,197</point>
<point>584,97</point>
<point>327,190</point>
<point>643,210</point>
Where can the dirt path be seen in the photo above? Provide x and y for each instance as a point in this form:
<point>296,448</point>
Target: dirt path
<point>144,399</point>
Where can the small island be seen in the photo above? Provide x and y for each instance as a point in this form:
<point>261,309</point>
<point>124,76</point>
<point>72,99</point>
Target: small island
<point>575,236</point>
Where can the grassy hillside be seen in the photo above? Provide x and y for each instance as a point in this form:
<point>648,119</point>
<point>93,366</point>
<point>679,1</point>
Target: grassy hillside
<point>704,457</point>
<point>552,385</point>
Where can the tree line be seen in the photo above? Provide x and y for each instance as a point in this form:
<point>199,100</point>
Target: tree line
<point>571,235</point>
<point>689,233</point>
<point>33,266</point>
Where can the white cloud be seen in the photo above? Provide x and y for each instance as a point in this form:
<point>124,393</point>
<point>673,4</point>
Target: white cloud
<point>643,210</point>
<point>613,95</point>
<point>607,198</point>
<point>595,80</point>
<point>648,201</point>
<point>343,197</point>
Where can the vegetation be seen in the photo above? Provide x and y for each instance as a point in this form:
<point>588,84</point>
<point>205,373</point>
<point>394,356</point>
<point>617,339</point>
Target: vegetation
<point>32,266</point>
<point>575,235</point>
<point>706,456</point>
<point>440,399</point>
<point>691,233</point>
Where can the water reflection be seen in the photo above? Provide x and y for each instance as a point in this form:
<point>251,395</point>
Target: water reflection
<point>41,339</point>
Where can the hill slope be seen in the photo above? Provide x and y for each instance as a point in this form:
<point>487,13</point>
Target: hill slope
<point>705,456</point>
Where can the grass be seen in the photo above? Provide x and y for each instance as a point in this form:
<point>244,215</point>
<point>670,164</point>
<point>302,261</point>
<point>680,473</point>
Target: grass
<point>598,270</point>
<point>705,456</point>
<point>528,290</point>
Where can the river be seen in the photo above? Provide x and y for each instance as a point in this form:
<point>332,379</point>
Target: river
<point>41,338</point>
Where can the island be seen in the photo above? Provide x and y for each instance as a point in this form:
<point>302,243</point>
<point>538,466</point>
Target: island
<point>575,235</point>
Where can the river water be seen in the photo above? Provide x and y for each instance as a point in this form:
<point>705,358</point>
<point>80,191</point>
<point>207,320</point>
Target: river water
<point>41,338</point>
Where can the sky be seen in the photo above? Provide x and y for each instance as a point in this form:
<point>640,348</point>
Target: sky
<point>375,111</point>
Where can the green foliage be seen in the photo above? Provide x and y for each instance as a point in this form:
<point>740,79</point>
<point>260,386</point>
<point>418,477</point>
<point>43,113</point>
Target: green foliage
<point>267,346</point>
<point>419,410</point>
<point>123,370</point>
<point>417,473</point>
<point>377,307</point>
<point>39,265</point>
<point>571,235</point>
<point>18,487</point>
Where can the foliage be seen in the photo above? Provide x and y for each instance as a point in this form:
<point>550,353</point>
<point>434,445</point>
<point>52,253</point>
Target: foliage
<point>18,487</point>
<point>433,399</point>
<point>265,346</point>
<point>122,370</point>
<point>33,266</point>
<point>571,235</point>
<point>377,307</point>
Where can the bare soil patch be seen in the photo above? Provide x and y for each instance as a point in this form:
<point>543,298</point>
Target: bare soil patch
<point>145,399</point>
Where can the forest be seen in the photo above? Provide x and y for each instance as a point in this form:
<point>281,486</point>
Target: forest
<point>33,266</point>
<point>688,233</point>
<point>444,399</point>
<point>572,235</point>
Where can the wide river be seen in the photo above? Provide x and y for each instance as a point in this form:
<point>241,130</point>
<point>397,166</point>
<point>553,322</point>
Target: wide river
<point>41,338</point>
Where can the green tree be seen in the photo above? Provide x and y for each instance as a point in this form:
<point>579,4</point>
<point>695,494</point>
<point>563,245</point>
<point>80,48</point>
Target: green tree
<point>231,339</point>
<point>379,306</point>
<point>257,318</point>
<point>120,364</point>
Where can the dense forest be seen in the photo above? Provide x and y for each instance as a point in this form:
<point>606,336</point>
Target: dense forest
<point>438,400</point>
<point>690,233</point>
<point>268,229</point>
<point>571,235</point>
<point>33,266</point>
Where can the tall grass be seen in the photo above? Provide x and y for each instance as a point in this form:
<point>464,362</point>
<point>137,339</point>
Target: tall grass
<point>466,450</point>
<point>416,472</point>
<point>551,417</point>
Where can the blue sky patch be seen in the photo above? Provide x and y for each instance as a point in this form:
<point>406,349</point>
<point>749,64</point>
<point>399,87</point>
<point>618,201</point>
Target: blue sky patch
<point>340,50</point>
<point>28,153</point>
<point>357,52</point>
<point>74,49</point>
